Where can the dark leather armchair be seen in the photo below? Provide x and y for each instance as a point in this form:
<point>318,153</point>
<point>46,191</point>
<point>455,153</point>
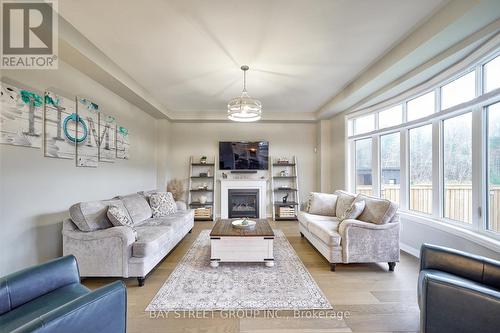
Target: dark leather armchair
<point>50,298</point>
<point>458,292</point>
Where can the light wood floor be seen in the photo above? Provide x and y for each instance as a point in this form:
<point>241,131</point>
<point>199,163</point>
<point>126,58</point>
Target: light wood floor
<point>377,300</point>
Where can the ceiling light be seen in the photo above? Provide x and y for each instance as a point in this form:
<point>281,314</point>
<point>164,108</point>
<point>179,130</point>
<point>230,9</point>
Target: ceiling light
<point>244,108</point>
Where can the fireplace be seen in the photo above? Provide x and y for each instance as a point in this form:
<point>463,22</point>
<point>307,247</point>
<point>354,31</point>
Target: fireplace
<point>243,203</point>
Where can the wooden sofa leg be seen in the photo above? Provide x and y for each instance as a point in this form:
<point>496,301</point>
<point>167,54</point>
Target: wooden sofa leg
<point>333,267</point>
<point>141,281</point>
<point>191,230</point>
<point>301,235</point>
<point>391,266</point>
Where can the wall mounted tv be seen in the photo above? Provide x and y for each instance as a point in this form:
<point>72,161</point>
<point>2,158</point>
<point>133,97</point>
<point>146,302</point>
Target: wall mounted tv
<point>243,155</point>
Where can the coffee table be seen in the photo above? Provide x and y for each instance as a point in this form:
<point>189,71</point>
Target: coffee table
<point>229,244</point>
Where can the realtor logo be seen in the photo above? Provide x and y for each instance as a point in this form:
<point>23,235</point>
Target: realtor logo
<point>29,34</point>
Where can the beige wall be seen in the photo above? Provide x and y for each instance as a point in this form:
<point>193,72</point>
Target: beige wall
<point>285,139</point>
<point>36,191</point>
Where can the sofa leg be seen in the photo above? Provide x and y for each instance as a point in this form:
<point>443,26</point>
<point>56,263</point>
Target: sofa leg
<point>191,230</point>
<point>333,266</point>
<point>141,281</point>
<point>301,235</point>
<point>391,266</point>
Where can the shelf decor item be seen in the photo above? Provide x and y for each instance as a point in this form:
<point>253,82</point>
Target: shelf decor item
<point>203,160</point>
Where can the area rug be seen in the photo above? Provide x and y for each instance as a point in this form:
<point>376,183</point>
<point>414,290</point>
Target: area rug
<point>194,285</point>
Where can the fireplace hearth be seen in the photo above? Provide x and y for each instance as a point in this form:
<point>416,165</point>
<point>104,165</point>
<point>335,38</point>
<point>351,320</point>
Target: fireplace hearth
<point>243,203</point>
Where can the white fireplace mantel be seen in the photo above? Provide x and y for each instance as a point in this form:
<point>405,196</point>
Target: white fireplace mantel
<point>238,184</point>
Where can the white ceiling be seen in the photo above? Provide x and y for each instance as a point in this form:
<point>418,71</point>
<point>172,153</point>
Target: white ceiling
<point>187,54</point>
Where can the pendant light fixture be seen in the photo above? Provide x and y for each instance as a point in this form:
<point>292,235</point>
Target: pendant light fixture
<point>244,108</point>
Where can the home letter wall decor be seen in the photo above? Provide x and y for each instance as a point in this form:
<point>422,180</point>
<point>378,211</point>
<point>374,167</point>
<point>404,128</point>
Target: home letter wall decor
<point>60,129</point>
<point>20,116</point>
<point>87,133</point>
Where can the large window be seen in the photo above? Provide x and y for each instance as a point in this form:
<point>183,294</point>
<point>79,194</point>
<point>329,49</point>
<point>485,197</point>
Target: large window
<point>437,149</point>
<point>390,167</point>
<point>457,168</point>
<point>493,157</point>
<point>420,162</point>
<point>364,173</point>
<point>458,91</point>
<point>492,75</point>
<point>390,117</point>
<point>421,106</point>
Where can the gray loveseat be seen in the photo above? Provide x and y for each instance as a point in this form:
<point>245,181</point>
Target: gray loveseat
<point>372,237</point>
<point>105,250</point>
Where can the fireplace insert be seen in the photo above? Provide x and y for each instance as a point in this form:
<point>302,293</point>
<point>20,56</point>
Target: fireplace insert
<point>243,203</point>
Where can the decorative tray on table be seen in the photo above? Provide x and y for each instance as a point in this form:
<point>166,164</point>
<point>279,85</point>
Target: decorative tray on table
<point>243,224</point>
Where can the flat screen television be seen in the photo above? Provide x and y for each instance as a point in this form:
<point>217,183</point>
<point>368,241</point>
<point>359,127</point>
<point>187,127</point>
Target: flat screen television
<point>243,155</point>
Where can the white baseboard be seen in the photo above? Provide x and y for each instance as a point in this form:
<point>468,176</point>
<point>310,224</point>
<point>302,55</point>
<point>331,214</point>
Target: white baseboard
<point>410,250</point>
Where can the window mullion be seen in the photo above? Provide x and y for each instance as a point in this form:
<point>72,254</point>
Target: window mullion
<point>404,178</point>
<point>376,165</point>
<point>479,173</point>
<point>437,166</point>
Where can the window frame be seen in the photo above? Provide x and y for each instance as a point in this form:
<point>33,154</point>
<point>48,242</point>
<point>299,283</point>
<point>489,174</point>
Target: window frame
<point>477,107</point>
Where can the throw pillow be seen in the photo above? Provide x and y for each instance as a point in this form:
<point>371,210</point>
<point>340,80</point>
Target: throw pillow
<point>162,204</point>
<point>323,204</point>
<point>119,217</point>
<point>344,201</point>
<point>354,211</point>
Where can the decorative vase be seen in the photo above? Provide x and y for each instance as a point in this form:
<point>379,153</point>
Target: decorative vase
<point>203,199</point>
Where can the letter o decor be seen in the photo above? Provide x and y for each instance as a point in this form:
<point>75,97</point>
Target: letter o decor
<point>74,117</point>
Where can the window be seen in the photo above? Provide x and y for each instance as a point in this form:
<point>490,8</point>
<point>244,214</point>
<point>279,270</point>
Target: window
<point>420,163</point>
<point>493,156</point>
<point>457,168</point>
<point>459,91</point>
<point>364,124</point>
<point>364,166</point>
<point>421,106</point>
<point>390,167</point>
<point>492,75</point>
<point>390,117</point>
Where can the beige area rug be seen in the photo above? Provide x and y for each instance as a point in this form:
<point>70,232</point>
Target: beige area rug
<point>195,286</point>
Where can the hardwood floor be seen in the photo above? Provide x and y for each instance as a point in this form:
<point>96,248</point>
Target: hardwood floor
<point>371,298</point>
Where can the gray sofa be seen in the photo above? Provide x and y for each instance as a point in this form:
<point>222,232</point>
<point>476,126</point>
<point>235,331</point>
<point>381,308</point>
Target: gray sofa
<point>105,250</point>
<point>372,237</point>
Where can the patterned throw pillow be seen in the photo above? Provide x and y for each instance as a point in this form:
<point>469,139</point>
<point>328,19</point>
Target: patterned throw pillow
<point>354,211</point>
<point>162,204</point>
<point>119,217</point>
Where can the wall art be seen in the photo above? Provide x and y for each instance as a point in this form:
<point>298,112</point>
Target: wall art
<point>122,143</point>
<point>87,133</point>
<point>20,116</point>
<point>60,126</point>
<point>107,138</point>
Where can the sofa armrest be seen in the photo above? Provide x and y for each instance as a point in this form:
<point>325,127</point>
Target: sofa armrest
<point>369,242</point>
<point>126,234</point>
<point>449,303</point>
<point>102,310</point>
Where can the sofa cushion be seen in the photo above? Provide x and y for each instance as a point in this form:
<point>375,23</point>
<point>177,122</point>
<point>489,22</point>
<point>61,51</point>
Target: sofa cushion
<point>322,204</point>
<point>354,211</point>
<point>344,201</point>
<point>147,194</point>
<point>377,210</point>
<point>325,230</point>
<point>305,217</point>
<point>162,204</point>
<point>92,215</point>
<point>151,239</point>
<point>137,207</point>
<point>176,220</point>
